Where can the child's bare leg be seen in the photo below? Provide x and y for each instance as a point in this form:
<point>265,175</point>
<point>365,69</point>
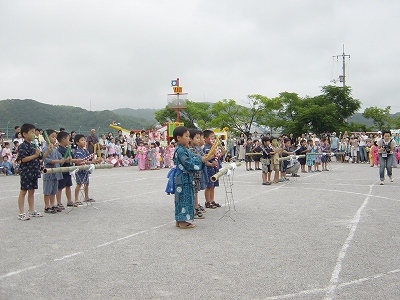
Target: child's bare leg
<point>264,177</point>
<point>68,194</point>
<point>21,200</point>
<point>207,194</point>
<point>212,194</point>
<point>86,188</point>
<point>52,200</point>
<point>196,200</point>
<point>77,188</point>
<point>276,176</point>
<point>46,199</point>
<point>58,197</point>
<point>31,199</point>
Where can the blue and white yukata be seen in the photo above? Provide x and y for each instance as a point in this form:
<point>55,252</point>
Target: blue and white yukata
<point>186,163</point>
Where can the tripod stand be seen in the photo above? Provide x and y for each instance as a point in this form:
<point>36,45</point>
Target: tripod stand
<point>82,181</point>
<point>229,199</point>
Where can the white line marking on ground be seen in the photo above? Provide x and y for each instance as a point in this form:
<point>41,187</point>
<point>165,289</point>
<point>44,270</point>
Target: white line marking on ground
<point>109,242</point>
<point>340,286</point>
<point>342,254</point>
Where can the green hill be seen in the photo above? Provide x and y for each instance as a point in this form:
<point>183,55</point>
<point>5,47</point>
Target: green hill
<point>16,112</point>
<point>144,113</point>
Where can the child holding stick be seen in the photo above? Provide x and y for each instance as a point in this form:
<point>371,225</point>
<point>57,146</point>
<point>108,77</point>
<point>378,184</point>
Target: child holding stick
<point>186,163</point>
<point>29,171</point>
<point>82,176</point>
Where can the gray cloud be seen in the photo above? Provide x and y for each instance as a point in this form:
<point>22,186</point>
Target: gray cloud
<point>124,53</point>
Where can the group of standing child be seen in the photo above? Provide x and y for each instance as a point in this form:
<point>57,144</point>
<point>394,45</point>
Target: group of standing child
<point>194,167</point>
<point>55,153</point>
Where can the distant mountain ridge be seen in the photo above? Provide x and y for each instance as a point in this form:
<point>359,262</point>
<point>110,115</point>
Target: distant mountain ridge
<point>16,112</point>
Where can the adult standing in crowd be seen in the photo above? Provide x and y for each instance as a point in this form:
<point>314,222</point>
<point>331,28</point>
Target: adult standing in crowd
<point>362,150</point>
<point>386,147</point>
<point>241,143</point>
<point>93,141</point>
<point>17,129</point>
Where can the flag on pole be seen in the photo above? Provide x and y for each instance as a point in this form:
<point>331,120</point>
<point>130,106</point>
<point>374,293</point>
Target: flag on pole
<point>175,82</point>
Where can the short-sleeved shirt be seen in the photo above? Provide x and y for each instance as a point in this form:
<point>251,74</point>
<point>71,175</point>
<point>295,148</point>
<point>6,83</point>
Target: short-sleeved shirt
<point>53,155</point>
<point>31,168</point>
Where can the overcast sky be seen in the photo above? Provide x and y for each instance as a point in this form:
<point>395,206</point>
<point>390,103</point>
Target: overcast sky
<point>115,54</point>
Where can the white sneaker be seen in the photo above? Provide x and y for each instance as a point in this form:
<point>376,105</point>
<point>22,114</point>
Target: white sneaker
<point>34,214</point>
<point>382,183</point>
<point>23,217</point>
<point>391,179</point>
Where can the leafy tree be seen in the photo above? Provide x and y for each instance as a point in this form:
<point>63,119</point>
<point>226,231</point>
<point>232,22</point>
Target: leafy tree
<point>196,114</point>
<point>237,118</point>
<point>380,116</point>
<point>326,112</point>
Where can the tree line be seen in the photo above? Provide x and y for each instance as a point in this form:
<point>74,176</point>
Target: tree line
<point>288,112</point>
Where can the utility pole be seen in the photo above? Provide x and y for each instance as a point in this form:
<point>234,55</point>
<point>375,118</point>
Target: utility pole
<point>342,78</point>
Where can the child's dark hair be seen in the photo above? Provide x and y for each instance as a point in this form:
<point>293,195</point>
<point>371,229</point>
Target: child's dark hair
<point>62,135</point>
<point>207,133</point>
<point>193,132</point>
<point>15,142</point>
<point>25,128</point>
<point>78,137</point>
<point>6,143</point>
<point>179,131</point>
<point>285,140</point>
<point>49,131</point>
<point>157,143</point>
<point>265,139</point>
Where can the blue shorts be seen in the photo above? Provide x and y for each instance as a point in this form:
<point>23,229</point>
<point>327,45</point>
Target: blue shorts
<point>66,181</point>
<point>50,187</point>
<point>28,183</point>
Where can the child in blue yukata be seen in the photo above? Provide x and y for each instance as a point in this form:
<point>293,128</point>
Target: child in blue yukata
<point>213,165</point>
<point>82,176</point>
<point>186,164</point>
<point>29,171</point>
<point>6,166</point>
<point>65,148</point>
<point>50,181</point>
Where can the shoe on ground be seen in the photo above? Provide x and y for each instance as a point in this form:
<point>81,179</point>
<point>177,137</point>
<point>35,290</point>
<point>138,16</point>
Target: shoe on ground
<point>202,209</point>
<point>391,179</point>
<point>215,204</point>
<point>89,200</point>
<point>382,183</point>
<point>295,175</point>
<point>57,209</point>
<point>281,180</point>
<point>34,214</point>
<point>23,217</point>
<point>70,204</point>
<point>50,210</point>
<point>209,205</point>
<point>266,183</point>
<point>198,214</point>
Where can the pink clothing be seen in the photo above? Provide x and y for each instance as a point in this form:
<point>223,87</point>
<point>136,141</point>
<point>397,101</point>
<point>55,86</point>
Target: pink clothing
<point>374,153</point>
<point>111,149</point>
<point>6,152</point>
<point>142,157</point>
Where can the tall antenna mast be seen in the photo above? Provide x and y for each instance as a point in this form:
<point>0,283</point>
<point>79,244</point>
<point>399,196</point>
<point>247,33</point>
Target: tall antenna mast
<point>342,78</point>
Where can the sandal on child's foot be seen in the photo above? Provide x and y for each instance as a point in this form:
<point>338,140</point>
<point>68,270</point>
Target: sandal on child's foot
<point>209,205</point>
<point>70,204</point>
<point>60,206</point>
<point>186,225</point>
<point>90,200</point>
<point>78,203</point>
<point>215,204</point>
